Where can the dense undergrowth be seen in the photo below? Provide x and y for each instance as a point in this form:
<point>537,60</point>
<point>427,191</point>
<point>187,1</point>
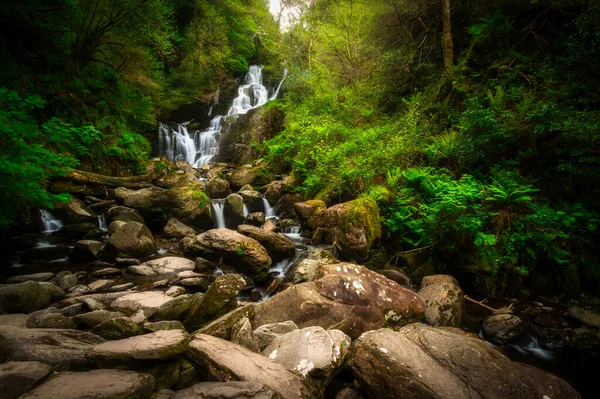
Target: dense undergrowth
<point>83,83</point>
<point>496,161</point>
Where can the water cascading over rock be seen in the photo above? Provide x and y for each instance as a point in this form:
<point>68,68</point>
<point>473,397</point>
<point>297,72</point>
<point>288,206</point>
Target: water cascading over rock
<point>200,147</point>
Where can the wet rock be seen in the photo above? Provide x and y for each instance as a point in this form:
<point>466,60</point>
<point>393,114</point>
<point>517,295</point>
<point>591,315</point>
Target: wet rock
<point>117,328</point>
<point>311,213</point>
<point>177,308</point>
<point>176,229</point>
<point>354,226</point>
<point>347,297</point>
<point>226,390</point>
<point>188,204</point>
<point>96,384</point>
<point>420,361</point>
<point>444,300</point>
<point>266,333</point>
<point>74,212</point>
<point>16,378</point>
<point>217,188</point>
<point>211,304</point>
<point>121,287</point>
<point>162,266</point>
<point>308,268</point>
<point>131,240</point>
<point>30,277</point>
<point>277,245</point>
<point>233,210</point>
<point>108,271</point>
<point>163,325</point>
<point>45,319</point>
<point>156,346</point>
<point>197,283</point>
<point>123,214</point>
<point>175,291</point>
<point>92,319</point>
<point>241,334</point>
<point>87,249</point>
<point>148,301</point>
<point>65,280</point>
<point>29,296</point>
<point>586,317</point>
<point>226,361</point>
<point>255,219</point>
<point>245,253</point>
<point>313,352</point>
<point>57,347</point>
<point>252,199</point>
<point>503,328</point>
<point>114,226</point>
<point>100,285</point>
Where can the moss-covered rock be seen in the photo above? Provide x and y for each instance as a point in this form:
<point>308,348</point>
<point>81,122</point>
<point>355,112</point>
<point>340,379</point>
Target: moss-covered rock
<point>29,296</point>
<point>132,240</point>
<point>352,226</point>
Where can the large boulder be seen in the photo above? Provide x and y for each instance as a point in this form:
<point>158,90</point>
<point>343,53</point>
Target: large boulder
<point>244,253</point>
<point>310,213</point>
<point>503,328</point>
<point>87,249</point>
<point>226,390</point>
<point>123,214</point>
<point>95,384</point>
<point>343,296</point>
<point>247,174</point>
<point>30,277</point>
<point>132,240</point>
<point>252,199</point>
<point>420,361</point>
<point>224,289</point>
<point>176,229</point>
<point>156,346</point>
<point>162,266</point>
<point>74,212</point>
<point>444,300</point>
<point>308,268</point>
<point>233,210</point>
<point>217,188</point>
<point>225,361</point>
<point>353,226</point>
<point>313,352</point>
<point>61,348</point>
<point>16,378</point>
<point>29,296</point>
<point>277,245</point>
<point>188,204</point>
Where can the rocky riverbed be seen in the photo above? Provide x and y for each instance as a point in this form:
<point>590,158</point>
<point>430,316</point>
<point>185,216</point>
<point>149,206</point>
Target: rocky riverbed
<point>223,282</point>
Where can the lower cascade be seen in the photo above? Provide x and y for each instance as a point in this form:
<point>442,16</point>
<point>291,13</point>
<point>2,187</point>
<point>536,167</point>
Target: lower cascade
<point>49,222</point>
<point>200,147</point>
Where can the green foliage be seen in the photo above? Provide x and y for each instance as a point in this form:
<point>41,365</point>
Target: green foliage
<point>30,153</point>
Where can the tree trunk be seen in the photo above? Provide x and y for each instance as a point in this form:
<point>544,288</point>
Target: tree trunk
<point>88,178</point>
<point>448,46</point>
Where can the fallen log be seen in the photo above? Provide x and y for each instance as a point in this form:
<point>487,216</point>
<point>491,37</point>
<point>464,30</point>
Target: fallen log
<point>81,177</point>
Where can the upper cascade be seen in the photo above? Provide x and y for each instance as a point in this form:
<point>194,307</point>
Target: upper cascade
<point>200,147</point>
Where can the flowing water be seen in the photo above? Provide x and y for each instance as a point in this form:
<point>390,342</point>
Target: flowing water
<point>102,223</point>
<point>218,207</point>
<point>269,211</point>
<point>50,223</point>
<point>200,147</point>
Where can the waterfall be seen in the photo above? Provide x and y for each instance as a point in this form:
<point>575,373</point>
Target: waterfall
<point>200,147</point>
<point>49,222</point>
<point>102,223</point>
<point>245,210</point>
<point>279,86</point>
<point>269,211</point>
<point>218,207</point>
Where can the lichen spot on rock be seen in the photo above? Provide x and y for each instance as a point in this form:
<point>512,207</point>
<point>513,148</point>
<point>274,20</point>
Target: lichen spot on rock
<point>383,350</point>
<point>393,316</point>
<point>305,366</point>
<point>273,355</point>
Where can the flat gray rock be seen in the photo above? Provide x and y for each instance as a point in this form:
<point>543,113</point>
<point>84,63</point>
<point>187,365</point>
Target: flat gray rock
<point>147,301</point>
<point>159,345</point>
<point>226,390</point>
<point>16,378</point>
<point>95,384</point>
<point>64,348</point>
<point>157,267</point>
